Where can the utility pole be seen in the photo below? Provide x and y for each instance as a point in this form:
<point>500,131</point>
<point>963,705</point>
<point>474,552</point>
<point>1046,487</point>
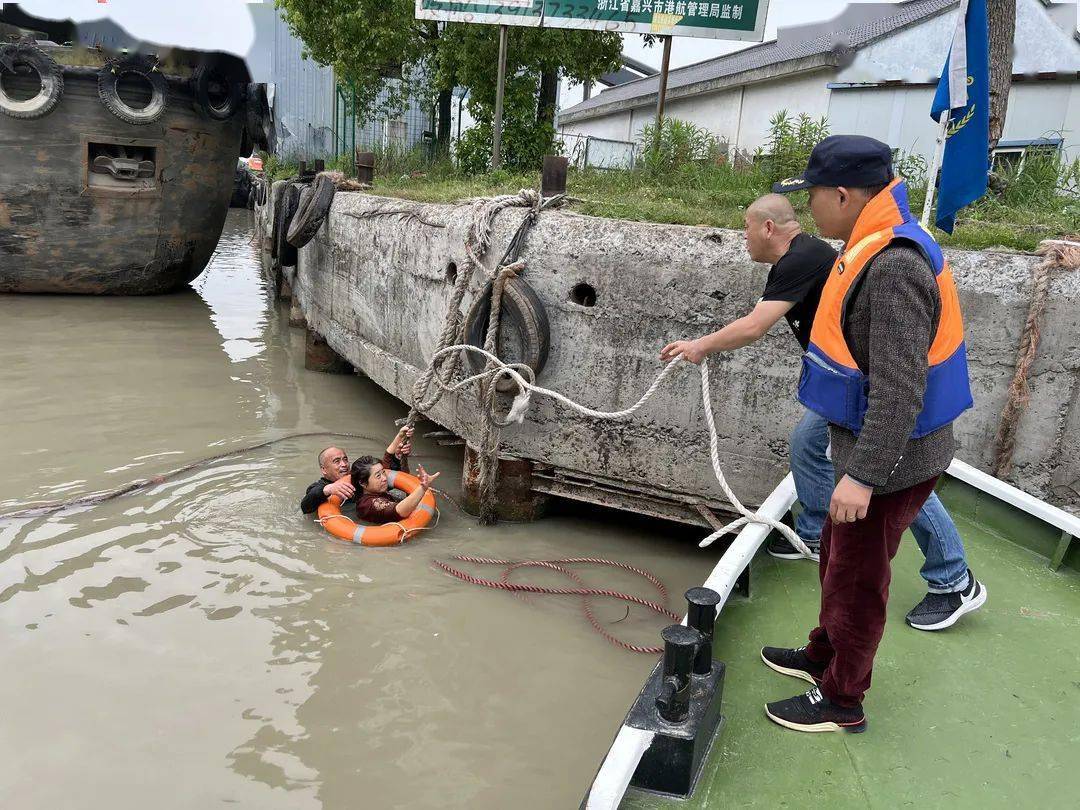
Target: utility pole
<point>500,91</point>
<point>661,96</point>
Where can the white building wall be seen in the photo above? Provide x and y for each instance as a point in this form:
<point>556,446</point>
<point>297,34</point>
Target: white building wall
<point>808,94</point>
<point>900,116</point>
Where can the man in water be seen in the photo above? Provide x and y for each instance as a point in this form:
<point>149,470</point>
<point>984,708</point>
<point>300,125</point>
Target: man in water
<point>334,466</point>
<point>886,367</point>
<point>800,265</point>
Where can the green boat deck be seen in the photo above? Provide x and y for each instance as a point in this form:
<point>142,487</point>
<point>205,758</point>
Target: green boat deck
<point>985,714</point>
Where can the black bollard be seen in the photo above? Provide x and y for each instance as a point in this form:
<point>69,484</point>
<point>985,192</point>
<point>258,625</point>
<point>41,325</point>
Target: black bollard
<point>701,615</point>
<point>680,646</point>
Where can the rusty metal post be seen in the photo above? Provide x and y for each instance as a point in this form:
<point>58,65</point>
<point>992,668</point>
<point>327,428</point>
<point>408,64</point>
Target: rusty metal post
<point>365,167</point>
<point>301,168</point>
<point>514,495</point>
<point>320,166</point>
<point>318,356</point>
<point>554,177</point>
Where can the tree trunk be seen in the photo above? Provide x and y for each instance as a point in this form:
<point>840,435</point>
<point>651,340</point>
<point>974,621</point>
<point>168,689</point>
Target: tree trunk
<point>442,138</point>
<point>1001,16</point>
<point>549,87</point>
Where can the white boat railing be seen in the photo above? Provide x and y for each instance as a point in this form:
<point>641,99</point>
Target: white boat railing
<point>630,744</point>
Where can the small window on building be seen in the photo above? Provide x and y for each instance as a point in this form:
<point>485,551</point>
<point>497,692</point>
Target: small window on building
<point>1010,156</point>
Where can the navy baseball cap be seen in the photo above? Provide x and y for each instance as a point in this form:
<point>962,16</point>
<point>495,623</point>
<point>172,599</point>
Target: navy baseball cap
<point>852,161</point>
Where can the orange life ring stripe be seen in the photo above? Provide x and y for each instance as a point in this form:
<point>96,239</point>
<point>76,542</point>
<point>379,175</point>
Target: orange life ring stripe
<point>388,534</point>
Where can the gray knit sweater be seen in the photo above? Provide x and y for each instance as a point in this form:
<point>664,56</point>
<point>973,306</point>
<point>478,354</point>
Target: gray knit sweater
<point>891,319</point>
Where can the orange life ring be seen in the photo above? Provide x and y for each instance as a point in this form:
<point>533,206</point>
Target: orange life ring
<point>388,534</point>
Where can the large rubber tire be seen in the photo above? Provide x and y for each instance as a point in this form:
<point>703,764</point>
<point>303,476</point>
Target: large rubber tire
<point>218,90</point>
<point>524,315</point>
<point>312,212</point>
<point>279,204</point>
<point>109,77</point>
<point>27,55</point>
<point>286,253</point>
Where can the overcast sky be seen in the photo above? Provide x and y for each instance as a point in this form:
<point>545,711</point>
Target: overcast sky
<point>225,24</point>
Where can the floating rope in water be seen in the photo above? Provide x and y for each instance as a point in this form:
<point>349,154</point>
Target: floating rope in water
<point>94,498</point>
<point>585,593</point>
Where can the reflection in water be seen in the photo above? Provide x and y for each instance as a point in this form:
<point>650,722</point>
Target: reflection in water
<point>203,642</point>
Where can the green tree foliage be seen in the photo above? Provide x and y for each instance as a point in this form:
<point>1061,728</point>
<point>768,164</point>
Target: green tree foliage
<point>365,41</point>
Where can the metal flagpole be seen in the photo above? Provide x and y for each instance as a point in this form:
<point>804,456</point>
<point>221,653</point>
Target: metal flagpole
<point>931,180</point>
<point>661,97</point>
<point>500,90</point>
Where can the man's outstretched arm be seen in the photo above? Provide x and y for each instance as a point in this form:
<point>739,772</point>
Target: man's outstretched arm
<point>735,335</point>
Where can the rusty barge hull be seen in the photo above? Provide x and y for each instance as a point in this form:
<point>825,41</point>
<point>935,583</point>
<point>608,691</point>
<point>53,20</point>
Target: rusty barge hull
<point>66,229</point>
<point>377,290</point>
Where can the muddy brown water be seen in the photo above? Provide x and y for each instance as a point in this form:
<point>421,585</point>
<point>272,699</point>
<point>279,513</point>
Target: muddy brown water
<point>204,644</point>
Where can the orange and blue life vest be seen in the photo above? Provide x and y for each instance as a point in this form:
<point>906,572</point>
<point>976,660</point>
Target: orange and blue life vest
<point>832,384</point>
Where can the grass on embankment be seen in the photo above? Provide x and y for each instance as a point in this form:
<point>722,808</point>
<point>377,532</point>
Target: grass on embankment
<point>718,197</point>
<point>1017,218</point>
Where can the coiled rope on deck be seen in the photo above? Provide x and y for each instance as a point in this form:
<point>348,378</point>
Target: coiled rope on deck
<point>586,594</point>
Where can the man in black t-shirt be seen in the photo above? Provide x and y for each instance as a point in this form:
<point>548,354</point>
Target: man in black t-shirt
<point>800,266</point>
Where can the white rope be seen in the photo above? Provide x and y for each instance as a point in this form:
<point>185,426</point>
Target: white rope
<point>527,387</point>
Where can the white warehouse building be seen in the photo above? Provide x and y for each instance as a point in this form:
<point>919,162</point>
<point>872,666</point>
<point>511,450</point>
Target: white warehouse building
<point>873,71</point>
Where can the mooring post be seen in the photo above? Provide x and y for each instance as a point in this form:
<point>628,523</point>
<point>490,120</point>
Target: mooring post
<point>514,495</point>
<point>365,167</point>
<point>701,615</point>
<point>320,166</point>
<point>554,177</point>
<point>681,645</point>
<point>318,356</point>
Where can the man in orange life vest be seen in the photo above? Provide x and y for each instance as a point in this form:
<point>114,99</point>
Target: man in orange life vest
<point>887,369</point>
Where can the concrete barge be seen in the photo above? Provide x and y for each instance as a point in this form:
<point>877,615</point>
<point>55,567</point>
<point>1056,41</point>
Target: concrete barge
<point>375,288</point>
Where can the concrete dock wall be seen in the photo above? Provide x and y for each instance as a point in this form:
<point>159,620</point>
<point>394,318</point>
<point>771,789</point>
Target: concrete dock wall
<point>378,288</point>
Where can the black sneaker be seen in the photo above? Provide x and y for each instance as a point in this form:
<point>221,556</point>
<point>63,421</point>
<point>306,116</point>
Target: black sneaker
<point>792,662</point>
<point>940,610</point>
<point>780,548</point>
<point>813,711</point>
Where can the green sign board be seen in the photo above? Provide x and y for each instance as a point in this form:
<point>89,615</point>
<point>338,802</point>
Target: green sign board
<point>743,19</point>
<point>493,12</point>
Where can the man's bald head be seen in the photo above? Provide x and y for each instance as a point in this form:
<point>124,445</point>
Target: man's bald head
<point>334,463</point>
<point>771,226</point>
<point>775,207</point>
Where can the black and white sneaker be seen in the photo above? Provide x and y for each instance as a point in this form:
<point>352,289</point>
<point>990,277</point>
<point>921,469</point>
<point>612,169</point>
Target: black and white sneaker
<point>792,662</point>
<point>780,548</point>
<point>940,610</point>
<point>813,711</point>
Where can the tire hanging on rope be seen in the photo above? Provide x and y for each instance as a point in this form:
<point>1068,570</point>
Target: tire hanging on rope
<point>19,59</point>
<point>109,77</point>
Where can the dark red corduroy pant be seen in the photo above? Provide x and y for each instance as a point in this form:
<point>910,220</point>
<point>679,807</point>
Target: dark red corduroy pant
<point>855,572</point>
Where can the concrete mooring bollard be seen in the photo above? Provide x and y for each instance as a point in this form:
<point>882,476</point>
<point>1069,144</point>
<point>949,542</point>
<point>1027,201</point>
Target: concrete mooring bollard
<point>514,496</point>
<point>318,356</point>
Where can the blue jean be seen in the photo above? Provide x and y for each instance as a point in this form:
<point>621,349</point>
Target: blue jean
<point>945,568</point>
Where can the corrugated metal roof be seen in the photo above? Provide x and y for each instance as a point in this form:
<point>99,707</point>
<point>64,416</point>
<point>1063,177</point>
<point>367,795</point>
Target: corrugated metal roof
<point>775,52</point>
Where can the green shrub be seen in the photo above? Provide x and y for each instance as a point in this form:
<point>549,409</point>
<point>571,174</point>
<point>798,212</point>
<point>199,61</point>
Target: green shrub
<point>676,145</point>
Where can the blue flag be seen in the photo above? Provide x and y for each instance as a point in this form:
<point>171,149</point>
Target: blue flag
<point>964,95</point>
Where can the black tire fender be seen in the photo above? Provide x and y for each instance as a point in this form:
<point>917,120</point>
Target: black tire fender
<point>217,91</point>
<point>109,77</point>
<point>17,58</point>
<point>286,253</point>
<point>521,310</point>
<point>312,212</point>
